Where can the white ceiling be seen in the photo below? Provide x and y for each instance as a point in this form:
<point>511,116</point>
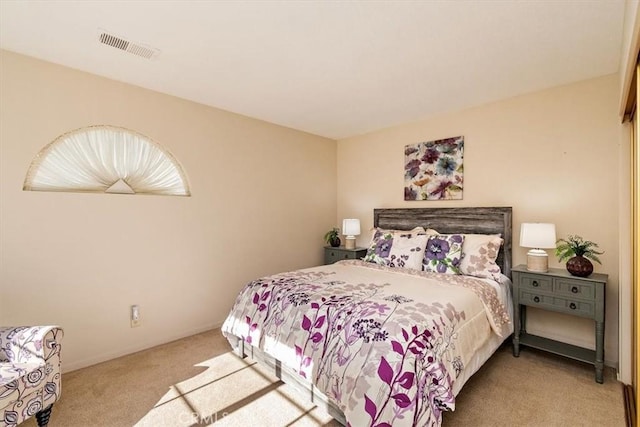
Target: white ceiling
<point>331,68</point>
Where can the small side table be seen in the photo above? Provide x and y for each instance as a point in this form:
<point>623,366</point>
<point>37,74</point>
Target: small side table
<point>559,291</point>
<point>332,255</point>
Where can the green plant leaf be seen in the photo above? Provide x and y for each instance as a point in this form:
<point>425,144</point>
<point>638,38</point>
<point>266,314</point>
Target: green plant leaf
<point>331,234</point>
<point>575,245</point>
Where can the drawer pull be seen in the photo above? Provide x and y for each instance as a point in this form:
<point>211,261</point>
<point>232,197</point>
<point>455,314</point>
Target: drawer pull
<point>535,284</point>
<point>572,306</point>
<point>574,289</point>
<point>536,299</point>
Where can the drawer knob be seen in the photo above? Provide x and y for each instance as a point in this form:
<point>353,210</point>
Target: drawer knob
<point>536,299</point>
<point>574,289</point>
<point>572,306</point>
<point>535,284</point>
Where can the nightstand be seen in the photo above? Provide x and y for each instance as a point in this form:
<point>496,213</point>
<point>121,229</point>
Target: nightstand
<point>559,291</point>
<point>332,255</point>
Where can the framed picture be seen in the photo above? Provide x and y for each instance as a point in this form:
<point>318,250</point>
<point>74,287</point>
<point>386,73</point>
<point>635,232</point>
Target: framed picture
<point>433,170</point>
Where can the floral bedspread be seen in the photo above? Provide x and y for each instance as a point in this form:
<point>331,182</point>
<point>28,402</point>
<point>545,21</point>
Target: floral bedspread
<point>385,344</point>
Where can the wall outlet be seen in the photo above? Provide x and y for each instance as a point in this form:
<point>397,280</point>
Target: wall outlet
<point>135,316</point>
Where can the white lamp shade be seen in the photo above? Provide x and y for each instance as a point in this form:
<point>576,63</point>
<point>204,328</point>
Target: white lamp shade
<point>351,227</point>
<point>537,235</point>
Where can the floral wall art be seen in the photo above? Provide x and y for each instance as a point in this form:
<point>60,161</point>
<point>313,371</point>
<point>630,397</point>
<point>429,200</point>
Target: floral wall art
<point>433,170</point>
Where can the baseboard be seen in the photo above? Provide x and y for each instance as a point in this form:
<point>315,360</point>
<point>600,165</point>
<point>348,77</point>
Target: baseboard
<point>629,405</point>
<point>68,367</point>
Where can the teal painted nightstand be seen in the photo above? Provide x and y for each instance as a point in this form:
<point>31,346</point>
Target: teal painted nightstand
<point>559,291</point>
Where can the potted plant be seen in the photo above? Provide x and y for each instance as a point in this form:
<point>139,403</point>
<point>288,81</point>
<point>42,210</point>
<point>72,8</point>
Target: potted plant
<point>578,252</point>
<point>333,237</point>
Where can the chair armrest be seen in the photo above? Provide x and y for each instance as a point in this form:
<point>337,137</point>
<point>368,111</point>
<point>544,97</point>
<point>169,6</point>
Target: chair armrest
<point>30,344</point>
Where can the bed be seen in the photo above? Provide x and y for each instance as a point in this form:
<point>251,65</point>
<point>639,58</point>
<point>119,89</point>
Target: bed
<point>378,343</point>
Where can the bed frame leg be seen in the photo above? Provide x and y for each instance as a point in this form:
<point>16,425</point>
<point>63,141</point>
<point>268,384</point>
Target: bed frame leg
<point>239,349</point>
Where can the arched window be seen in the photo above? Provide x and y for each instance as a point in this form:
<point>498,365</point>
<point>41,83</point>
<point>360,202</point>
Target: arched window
<point>106,159</point>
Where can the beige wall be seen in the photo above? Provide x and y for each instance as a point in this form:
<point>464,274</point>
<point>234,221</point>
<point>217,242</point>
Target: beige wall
<point>552,155</point>
<point>263,196</point>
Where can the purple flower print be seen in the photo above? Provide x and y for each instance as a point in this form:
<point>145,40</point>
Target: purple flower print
<point>430,156</point>
<point>433,170</point>
<point>298,298</point>
<point>412,168</point>
<point>410,193</point>
<point>397,261</point>
<point>343,355</point>
<point>448,146</point>
<point>410,150</point>
<point>458,365</point>
<point>398,299</point>
<point>380,308</point>
<point>369,329</point>
<point>456,238</point>
<point>442,254</point>
<point>383,247</point>
<point>437,249</point>
<point>337,323</point>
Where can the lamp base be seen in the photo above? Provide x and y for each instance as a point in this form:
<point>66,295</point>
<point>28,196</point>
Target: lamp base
<point>350,242</point>
<point>538,261</point>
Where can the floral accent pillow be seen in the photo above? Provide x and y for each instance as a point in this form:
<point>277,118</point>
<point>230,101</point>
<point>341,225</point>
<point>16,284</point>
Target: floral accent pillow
<point>479,254</point>
<point>443,253</point>
<point>376,231</point>
<point>397,248</point>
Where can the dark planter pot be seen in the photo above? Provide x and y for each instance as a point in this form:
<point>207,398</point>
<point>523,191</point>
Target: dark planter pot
<point>579,266</point>
<point>335,242</point>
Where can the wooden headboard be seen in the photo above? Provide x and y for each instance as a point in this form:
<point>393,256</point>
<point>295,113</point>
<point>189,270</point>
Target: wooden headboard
<point>453,220</point>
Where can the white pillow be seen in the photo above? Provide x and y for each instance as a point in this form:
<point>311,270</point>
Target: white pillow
<point>479,254</point>
<point>398,248</point>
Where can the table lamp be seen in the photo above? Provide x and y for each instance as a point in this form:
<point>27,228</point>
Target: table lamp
<point>537,236</point>
<point>351,229</point>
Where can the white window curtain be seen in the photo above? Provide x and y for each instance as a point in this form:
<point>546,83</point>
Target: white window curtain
<point>109,159</point>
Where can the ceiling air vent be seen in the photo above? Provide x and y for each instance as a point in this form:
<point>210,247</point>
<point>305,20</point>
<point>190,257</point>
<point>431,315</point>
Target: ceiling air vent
<point>138,49</point>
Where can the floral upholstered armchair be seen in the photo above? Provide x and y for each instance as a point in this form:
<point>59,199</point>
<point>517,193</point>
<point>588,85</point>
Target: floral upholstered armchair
<point>29,373</point>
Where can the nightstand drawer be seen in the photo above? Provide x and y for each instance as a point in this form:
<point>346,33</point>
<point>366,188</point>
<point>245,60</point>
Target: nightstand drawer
<point>575,307</point>
<point>535,282</point>
<point>575,288</point>
<point>332,255</point>
<point>533,299</point>
<point>563,305</point>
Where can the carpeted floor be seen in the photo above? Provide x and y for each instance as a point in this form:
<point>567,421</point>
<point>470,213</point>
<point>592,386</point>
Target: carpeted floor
<point>198,381</point>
